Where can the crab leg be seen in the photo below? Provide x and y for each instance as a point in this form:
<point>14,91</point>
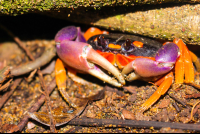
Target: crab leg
<point>60,74</point>
<point>149,69</point>
<point>195,60</point>
<point>61,78</point>
<point>162,89</point>
<point>184,64</point>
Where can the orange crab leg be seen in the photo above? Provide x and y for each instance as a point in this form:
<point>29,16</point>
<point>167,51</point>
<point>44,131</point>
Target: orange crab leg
<point>60,74</point>
<point>195,60</point>
<point>184,64</point>
<point>179,66</point>
<point>162,89</point>
<point>189,68</point>
<point>61,78</point>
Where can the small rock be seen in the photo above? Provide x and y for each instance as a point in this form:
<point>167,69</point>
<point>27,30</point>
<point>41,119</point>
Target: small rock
<point>91,114</point>
<point>162,116</point>
<point>30,125</point>
<point>164,103</point>
<point>121,105</point>
<point>169,130</point>
<point>140,116</point>
<point>185,112</point>
<point>128,114</point>
<point>132,98</point>
<point>131,89</point>
<point>184,119</point>
<point>171,116</point>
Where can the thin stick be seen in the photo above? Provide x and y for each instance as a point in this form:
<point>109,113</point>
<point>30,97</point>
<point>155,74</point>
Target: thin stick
<point>176,107</point>
<point>73,130</point>
<point>194,85</point>
<point>196,95</point>
<point>30,66</point>
<point>131,123</point>
<point>5,97</point>
<point>178,100</point>
<point>191,115</point>
<point>48,101</point>
<point>36,105</point>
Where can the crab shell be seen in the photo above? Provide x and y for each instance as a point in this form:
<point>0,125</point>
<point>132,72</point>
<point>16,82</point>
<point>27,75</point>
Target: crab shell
<point>81,56</point>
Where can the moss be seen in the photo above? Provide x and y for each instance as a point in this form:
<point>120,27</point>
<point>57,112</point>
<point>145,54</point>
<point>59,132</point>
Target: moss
<point>164,23</point>
<point>15,7</point>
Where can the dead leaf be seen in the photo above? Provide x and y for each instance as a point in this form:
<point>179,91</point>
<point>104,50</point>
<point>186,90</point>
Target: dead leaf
<point>9,128</point>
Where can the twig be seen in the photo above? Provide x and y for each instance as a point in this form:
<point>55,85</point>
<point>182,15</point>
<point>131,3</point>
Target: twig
<point>6,85</point>
<point>178,100</point>
<point>176,107</point>
<point>196,95</point>
<point>194,85</point>
<point>21,44</point>
<point>5,97</point>
<point>193,112</point>
<point>131,123</point>
<point>41,61</point>
<point>36,105</point>
<point>73,130</point>
<point>48,101</point>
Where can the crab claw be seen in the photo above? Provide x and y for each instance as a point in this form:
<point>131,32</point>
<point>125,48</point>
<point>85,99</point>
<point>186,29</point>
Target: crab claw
<point>164,61</point>
<point>82,57</point>
<point>71,33</point>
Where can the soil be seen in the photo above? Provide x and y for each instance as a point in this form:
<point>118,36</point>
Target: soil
<point>117,103</point>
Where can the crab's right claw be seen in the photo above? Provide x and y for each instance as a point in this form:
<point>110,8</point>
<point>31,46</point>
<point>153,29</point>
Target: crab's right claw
<point>147,69</point>
<point>83,58</point>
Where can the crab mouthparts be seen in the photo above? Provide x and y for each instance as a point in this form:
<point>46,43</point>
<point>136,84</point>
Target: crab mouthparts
<point>169,64</point>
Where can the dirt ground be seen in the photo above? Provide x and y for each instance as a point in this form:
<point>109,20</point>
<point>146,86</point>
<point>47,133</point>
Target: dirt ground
<point>118,104</point>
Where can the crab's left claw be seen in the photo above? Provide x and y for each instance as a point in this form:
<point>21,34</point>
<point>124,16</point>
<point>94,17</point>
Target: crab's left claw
<point>83,58</point>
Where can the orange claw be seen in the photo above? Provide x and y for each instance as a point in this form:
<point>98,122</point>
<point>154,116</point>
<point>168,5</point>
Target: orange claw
<point>162,89</point>
<point>184,64</point>
<point>60,74</point>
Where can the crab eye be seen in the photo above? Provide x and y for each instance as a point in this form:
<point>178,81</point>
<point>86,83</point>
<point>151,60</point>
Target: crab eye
<point>127,47</point>
<point>127,44</point>
<point>101,41</point>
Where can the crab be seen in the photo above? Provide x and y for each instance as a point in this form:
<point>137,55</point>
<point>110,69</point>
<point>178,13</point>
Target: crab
<point>117,58</point>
